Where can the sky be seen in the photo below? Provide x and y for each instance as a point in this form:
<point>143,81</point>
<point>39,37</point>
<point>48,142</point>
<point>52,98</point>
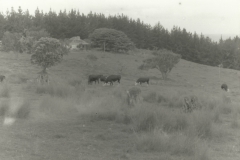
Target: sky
<point>209,17</point>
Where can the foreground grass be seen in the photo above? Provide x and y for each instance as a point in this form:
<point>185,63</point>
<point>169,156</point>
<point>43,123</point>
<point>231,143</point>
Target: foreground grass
<point>156,124</point>
<point>157,121</point>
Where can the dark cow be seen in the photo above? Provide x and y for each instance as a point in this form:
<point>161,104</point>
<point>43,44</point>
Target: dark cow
<point>103,78</point>
<point>2,77</point>
<point>224,87</point>
<point>94,78</point>
<point>142,80</point>
<point>112,78</point>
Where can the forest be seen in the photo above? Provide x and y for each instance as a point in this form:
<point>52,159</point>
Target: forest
<point>66,24</point>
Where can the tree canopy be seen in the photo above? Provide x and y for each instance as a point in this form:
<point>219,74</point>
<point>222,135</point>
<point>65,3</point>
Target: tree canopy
<point>48,52</point>
<point>111,40</point>
<point>191,46</point>
<point>163,60</point>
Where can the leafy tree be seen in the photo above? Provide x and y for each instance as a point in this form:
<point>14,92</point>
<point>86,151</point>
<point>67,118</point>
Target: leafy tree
<point>48,52</point>
<point>163,60</point>
<point>111,40</point>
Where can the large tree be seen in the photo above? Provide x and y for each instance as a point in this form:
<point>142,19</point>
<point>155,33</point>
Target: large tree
<point>47,52</point>
<point>111,40</point>
<point>163,60</point>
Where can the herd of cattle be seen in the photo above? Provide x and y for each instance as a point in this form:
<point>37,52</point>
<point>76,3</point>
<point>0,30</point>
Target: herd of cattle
<point>113,78</point>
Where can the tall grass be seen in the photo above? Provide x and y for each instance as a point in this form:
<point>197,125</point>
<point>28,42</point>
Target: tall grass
<point>145,117</point>
<point>103,106</point>
<point>176,144</point>
<point>56,107</point>
<point>159,122</point>
<point>55,90</point>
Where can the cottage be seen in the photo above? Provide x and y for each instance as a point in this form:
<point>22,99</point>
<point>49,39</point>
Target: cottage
<point>77,43</point>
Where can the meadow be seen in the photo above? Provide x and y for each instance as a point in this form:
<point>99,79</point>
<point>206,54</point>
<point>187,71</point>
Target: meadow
<point>69,119</point>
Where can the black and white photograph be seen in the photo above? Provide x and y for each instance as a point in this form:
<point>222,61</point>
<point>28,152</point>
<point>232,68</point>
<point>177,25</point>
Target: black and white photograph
<point>119,80</point>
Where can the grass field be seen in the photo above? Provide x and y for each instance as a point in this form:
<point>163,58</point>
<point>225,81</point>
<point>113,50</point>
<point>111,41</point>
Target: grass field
<point>69,119</point>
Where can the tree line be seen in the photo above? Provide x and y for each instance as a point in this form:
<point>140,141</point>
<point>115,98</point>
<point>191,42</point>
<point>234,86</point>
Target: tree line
<point>191,46</point>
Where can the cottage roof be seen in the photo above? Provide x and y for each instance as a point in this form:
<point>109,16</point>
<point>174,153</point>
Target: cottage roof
<point>77,40</point>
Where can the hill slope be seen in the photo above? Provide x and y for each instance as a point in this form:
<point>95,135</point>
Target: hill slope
<point>77,122</point>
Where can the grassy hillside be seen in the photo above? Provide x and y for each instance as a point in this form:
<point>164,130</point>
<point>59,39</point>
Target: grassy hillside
<point>69,119</point>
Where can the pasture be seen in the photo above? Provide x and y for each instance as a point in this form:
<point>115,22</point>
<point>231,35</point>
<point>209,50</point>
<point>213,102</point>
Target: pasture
<point>69,119</point>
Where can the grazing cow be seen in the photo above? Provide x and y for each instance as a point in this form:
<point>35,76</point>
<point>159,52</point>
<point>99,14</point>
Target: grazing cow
<point>94,78</point>
<point>224,87</point>
<point>2,77</point>
<point>112,78</point>
<point>103,78</point>
<point>142,80</point>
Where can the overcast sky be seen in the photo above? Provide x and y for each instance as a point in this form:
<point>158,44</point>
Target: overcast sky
<point>202,16</point>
